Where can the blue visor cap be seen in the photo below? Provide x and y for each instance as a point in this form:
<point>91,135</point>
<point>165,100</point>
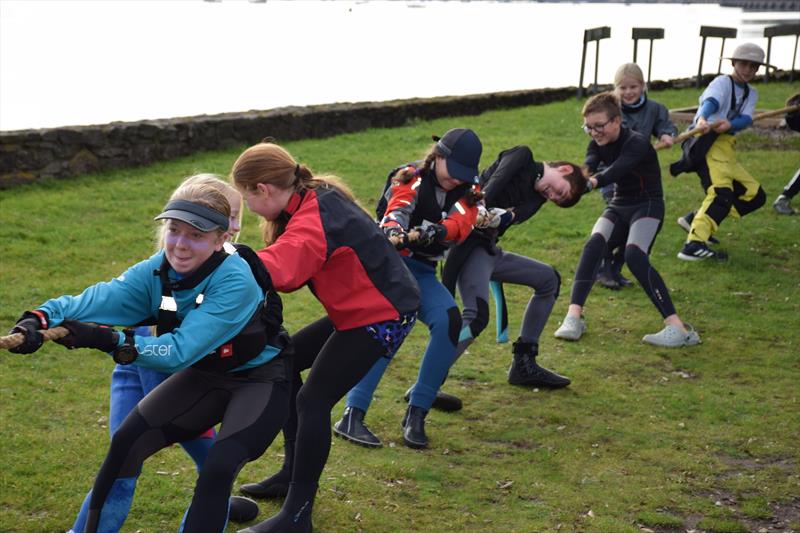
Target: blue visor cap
<point>461,149</point>
<point>199,216</point>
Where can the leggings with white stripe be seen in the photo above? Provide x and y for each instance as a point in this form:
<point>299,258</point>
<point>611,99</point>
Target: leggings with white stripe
<point>642,222</point>
<point>793,187</point>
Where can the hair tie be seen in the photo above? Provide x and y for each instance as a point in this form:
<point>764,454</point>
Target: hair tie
<point>297,169</point>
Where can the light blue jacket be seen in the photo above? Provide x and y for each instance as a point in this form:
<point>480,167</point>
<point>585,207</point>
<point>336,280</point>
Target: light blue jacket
<point>230,297</point>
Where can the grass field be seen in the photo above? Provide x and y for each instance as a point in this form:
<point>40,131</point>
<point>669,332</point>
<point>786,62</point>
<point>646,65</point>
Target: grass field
<point>703,438</point>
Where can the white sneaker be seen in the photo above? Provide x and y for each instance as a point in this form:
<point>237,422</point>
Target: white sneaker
<point>783,207</point>
<point>672,337</point>
<point>571,329</point>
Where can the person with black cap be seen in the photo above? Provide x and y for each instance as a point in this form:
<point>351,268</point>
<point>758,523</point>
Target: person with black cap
<point>430,205</point>
<point>218,333</point>
<point>317,235</point>
<point>726,108</point>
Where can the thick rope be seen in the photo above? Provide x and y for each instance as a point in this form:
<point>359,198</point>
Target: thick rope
<point>15,339</point>
<point>766,114</point>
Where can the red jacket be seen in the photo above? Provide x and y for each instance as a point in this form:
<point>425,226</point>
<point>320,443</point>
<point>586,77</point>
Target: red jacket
<point>332,245</point>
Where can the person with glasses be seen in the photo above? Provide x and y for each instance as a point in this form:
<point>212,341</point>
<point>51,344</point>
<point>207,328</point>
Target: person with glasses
<point>635,210</point>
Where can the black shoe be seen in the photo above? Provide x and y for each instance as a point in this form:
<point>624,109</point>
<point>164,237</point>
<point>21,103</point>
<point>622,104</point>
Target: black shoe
<point>414,428</point>
<point>686,223</point>
<point>698,251</point>
<point>442,402</point>
<point>273,487</point>
<point>351,427</point>
<point>622,280</point>
<point>295,514</point>
<point>525,371</point>
<point>606,279</point>
<point>242,509</point>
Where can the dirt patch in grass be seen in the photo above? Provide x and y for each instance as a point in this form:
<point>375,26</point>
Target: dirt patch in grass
<point>743,513</point>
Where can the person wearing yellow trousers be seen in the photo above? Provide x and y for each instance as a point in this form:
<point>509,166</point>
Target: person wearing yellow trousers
<point>726,107</point>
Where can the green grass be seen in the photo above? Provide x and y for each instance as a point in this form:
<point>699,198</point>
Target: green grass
<point>644,436</point>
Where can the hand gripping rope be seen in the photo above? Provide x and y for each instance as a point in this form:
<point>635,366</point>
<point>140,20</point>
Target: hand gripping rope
<point>15,339</point>
<point>691,133</point>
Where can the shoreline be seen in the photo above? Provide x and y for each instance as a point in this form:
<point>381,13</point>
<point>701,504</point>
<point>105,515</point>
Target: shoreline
<point>27,156</point>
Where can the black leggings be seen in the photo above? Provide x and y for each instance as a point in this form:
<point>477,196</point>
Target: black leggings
<point>338,359</point>
<point>252,406</point>
<point>637,225</point>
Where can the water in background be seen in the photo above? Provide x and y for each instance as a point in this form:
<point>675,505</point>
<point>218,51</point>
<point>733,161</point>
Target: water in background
<point>88,62</point>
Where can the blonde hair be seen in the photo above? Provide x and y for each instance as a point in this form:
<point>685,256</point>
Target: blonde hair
<point>628,70</point>
<point>208,190</point>
<point>271,164</point>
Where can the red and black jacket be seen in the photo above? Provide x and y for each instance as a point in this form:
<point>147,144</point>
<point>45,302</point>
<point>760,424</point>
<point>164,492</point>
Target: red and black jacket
<point>421,201</point>
<point>335,248</point>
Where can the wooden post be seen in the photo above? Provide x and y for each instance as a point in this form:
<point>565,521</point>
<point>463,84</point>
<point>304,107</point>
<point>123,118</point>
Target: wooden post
<point>777,31</point>
<point>592,34</point>
<point>712,31</point>
<point>650,34</point>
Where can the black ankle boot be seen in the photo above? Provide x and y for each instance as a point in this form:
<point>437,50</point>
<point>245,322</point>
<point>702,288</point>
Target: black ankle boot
<point>605,276</point>
<point>294,516</point>
<point>414,427</point>
<point>616,270</point>
<point>275,486</point>
<point>525,371</point>
<point>351,427</point>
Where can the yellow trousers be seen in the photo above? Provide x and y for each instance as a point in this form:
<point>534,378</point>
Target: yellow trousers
<point>727,175</point>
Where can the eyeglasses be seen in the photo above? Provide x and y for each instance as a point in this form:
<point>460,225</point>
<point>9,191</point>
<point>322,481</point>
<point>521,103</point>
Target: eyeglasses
<point>597,128</point>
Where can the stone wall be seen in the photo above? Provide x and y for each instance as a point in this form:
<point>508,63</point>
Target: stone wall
<point>30,155</point>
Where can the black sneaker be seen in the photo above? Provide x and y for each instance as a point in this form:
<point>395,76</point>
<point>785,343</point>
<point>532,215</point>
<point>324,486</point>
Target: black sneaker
<point>442,402</point>
<point>686,223</point>
<point>351,427</point>
<point>698,251</point>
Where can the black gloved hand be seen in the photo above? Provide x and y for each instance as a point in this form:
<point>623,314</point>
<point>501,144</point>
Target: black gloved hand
<point>397,236</point>
<point>29,325</point>
<point>82,335</point>
<point>430,234</point>
<point>272,312</point>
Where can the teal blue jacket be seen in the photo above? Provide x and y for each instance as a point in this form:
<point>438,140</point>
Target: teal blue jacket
<point>230,297</point>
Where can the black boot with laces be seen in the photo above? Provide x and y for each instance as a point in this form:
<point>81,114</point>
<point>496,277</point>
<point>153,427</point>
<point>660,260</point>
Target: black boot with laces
<point>525,371</point>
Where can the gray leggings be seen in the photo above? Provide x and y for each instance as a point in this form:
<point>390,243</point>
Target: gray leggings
<point>473,285</point>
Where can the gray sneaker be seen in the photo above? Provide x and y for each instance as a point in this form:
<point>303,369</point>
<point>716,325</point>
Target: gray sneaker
<point>782,206</point>
<point>571,329</point>
<point>672,337</point>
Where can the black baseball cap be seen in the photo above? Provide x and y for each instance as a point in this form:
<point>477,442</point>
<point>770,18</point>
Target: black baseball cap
<point>199,216</point>
<point>461,149</point>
